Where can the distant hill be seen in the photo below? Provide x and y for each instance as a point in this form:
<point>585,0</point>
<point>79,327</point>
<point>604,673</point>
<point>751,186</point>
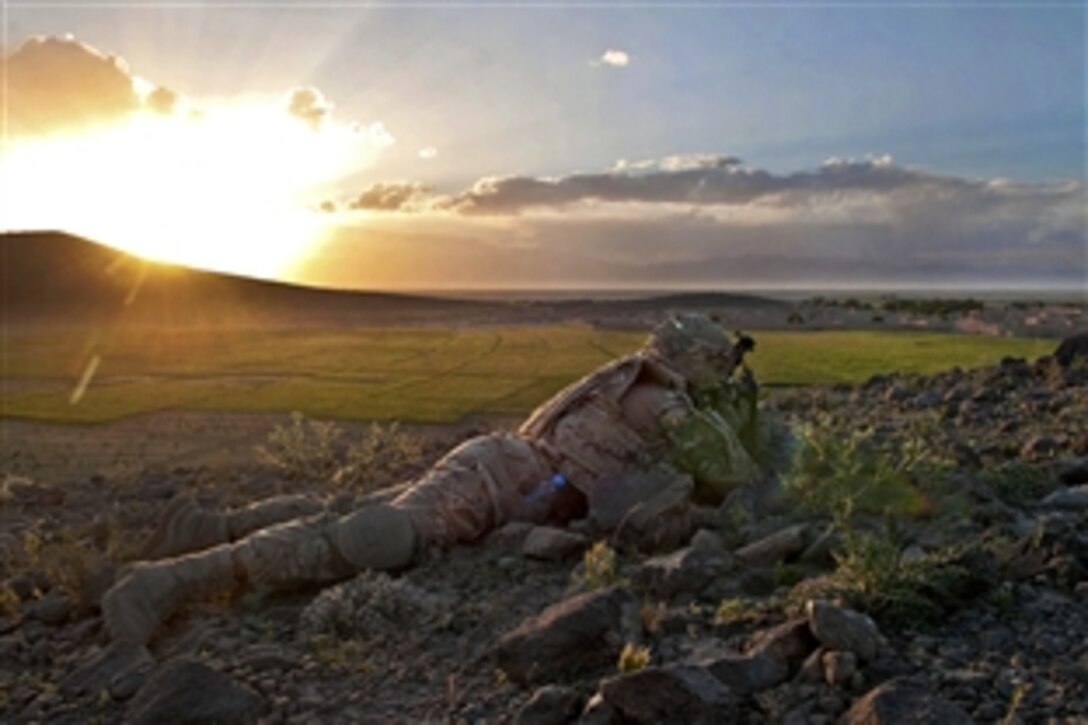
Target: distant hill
<point>56,279</point>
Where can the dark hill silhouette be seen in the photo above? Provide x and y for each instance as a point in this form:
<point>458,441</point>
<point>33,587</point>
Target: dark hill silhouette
<point>56,279</point>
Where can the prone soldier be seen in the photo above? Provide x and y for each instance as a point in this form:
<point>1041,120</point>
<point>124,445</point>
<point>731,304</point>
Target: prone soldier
<point>676,402</point>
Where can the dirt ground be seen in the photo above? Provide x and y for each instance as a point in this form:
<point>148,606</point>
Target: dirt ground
<point>120,451</point>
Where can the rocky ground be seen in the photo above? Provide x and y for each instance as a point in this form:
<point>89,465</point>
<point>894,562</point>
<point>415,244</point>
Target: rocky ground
<point>925,561</point>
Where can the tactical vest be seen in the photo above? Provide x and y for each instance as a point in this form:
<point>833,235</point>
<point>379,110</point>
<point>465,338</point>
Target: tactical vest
<point>582,432</point>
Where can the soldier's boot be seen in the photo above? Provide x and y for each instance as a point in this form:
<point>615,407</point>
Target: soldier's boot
<point>150,592</point>
<point>316,550</point>
<point>186,527</point>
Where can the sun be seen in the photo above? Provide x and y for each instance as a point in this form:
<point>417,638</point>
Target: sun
<point>232,188</point>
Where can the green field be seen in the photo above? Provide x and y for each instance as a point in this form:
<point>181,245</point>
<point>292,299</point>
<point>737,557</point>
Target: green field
<point>422,375</point>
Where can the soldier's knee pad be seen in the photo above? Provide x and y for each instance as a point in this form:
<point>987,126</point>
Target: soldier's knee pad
<point>376,537</point>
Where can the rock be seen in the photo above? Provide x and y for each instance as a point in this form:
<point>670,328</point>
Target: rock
<point>1041,446</point>
<point>1072,499</point>
<point>115,662</point>
<point>1075,472</point>
<point>549,705</point>
<point>821,550</point>
<point>774,655</point>
<point>903,701</point>
<point>186,691</point>
<point>597,712</point>
<point>551,544</point>
<point>708,541</point>
<point>686,570</point>
<point>510,536</point>
<point>53,609</point>
<point>746,673</point>
<point>268,658</point>
<point>577,633</point>
<point>774,548</point>
<point>674,693</point>
<point>22,490</point>
<point>661,522</point>
<point>839,667</point>
<point>1072,347</point>
<point>839,628</point>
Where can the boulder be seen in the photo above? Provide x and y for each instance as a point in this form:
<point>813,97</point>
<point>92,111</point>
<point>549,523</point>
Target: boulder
<point>839,667</point>
<point>552,544</point>
<point>549,705</point>
<point>673,693</point>
<point>772,549</point>
<point>839,628</point>
<point>114,663</point>
<point>664,521</point>
<point>54,608</point>
<point>578,633</point>
<point>686,570</point>
<point>904,701</point>
<point>1072,347</point>
<point>772,658</point>
<point>186,692</point>
<point>1074,498</point>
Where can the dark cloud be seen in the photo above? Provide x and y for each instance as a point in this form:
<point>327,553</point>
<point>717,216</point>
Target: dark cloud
<point>856,222</point>
<point>59,84</point>
<point>390,196</point>
<point>309,105</point>
<point>702,180</point>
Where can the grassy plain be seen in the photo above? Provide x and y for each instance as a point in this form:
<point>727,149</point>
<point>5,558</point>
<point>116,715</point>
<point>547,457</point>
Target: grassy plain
<point>433,375</point>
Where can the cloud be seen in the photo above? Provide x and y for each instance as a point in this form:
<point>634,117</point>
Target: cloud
<point>716,180</point>
<point>389,196</point>
<point>708,219</point>
<point>309,105</point>
<point>615,58</point>
<point>162,100</point>
<point>378,135</point>
<point>56,84</point>
<point>428,152</point>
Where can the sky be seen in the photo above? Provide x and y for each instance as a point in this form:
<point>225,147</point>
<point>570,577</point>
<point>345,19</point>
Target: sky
<point>559,145</point>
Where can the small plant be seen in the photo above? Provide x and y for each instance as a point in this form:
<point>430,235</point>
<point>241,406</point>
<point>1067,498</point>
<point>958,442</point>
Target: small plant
<point>1015,702</point>
<point>598,567</point>
<point>651,614</point>
<point>384,453</point>
<point>1018,482</point>
<point>9,602</point>
<point>303,449</point>
<point>786,575</point>
<point>633,658</point>
<point>836,473</point>
<point>734,610</point>
<point>872,575</point>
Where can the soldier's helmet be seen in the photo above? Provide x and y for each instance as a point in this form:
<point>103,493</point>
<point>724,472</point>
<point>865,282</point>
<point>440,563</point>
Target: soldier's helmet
<point>693,345</point>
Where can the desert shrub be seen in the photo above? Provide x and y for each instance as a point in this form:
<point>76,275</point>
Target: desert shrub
<point>303,449</point>
<point>375,461</point>
<point>633,658</point>
<point>307,449</point>
<point>838,473</point>
<point>872,575</point>
<point>598,568</point>
<point>372,604</point>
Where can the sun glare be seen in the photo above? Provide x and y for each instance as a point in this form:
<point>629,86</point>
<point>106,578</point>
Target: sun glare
<point>232,189</point>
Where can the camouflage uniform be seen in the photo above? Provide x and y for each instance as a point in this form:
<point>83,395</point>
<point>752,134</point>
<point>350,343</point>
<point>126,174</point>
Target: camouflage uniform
<point>627,416</point>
